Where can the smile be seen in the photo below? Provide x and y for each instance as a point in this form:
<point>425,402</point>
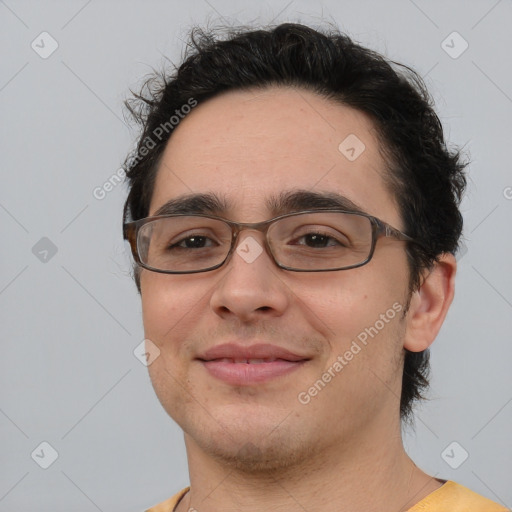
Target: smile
<point>240,365</point>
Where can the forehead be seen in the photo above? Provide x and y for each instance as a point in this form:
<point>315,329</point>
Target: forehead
<point>252,148</point>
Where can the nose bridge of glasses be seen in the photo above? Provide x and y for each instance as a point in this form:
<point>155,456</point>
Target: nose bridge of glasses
<point>255,238</point>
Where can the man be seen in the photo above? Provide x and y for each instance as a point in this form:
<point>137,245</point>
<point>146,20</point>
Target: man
<point>293,215</point>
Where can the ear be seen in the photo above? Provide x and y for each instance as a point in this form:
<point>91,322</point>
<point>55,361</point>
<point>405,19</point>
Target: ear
<point>429,304</point>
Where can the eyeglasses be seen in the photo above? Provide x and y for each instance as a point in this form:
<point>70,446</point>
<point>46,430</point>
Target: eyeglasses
<point>307,241</point>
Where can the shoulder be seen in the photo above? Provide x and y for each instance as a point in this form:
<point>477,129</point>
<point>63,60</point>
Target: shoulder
<point>169,504</point>
<point>453,497</point>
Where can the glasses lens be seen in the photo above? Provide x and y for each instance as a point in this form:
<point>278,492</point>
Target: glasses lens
<point>183,244</point>
<point>309,241</point>
<point>321,240</point>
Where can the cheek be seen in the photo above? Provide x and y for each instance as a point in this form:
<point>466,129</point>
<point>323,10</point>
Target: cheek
<point>361,314</point>
<point>158,305</point>
<point>168,318</point>
<point>175,315</point>
<point>164,309</point>
<point>346,303</point>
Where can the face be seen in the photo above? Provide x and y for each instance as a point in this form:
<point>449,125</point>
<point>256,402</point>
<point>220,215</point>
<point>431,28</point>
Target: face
<point>247,147</point>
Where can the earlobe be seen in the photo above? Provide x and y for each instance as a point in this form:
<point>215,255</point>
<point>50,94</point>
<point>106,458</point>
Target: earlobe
<point>429,304</point>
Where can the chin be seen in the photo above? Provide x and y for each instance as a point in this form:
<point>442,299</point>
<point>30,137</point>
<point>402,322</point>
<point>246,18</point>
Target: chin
<point>253,445</point>
<point>255,457</point>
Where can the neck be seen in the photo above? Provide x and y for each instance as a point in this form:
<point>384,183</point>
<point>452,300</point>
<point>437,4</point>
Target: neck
<point>360,474</point>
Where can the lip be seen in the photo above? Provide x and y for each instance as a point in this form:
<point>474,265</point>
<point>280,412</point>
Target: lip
<point>242,366</point>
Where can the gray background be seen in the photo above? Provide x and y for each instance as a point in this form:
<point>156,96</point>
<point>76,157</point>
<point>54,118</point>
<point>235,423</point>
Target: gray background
<point>70,323</point>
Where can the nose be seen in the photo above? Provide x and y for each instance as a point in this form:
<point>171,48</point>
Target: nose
<point>251,286</point>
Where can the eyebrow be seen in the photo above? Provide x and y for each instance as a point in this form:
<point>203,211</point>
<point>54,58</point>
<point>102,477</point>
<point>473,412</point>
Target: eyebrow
<point>286,202</point>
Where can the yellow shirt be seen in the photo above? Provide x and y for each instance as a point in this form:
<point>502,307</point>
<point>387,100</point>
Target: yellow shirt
<point>450,497</point>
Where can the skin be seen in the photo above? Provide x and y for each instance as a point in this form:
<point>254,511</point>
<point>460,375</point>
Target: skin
<point>258,448</point>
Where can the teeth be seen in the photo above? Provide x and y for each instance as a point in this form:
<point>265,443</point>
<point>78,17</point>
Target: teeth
<point>247,361</point>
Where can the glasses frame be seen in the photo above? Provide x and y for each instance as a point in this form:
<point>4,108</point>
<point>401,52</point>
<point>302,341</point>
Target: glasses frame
<point>379,229</point>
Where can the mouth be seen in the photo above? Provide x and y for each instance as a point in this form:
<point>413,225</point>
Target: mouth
<point>244,366</point>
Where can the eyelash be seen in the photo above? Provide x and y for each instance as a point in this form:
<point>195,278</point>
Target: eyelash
<point>196,235</point>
